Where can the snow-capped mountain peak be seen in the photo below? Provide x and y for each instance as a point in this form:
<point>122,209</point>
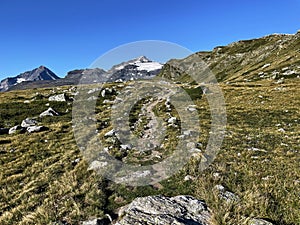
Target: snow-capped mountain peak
<point>143,59</point>
<point>140,63</point>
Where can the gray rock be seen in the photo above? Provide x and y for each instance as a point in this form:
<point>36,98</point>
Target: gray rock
<point>28,122</point>
<point>4,131</point>
<point>49,112</point>
<point>160,210</point>
<point>97,165</point>
<point>58,98</point>
<point>14,129</point>
<point>226,195</point>
<point>34,129</point>
<point>259,222</point>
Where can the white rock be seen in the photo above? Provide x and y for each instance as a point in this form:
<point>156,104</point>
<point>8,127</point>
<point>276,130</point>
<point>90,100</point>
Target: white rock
<point>34,129</point>
<point>110,133</point>
<point>96,165</point>
<point>49,112</point>
<point>14,129</point>
<point>28,122</point>
<point>125,147</point>
<point>172,120</point>
<point>57,98</point>
<point>188,178</point>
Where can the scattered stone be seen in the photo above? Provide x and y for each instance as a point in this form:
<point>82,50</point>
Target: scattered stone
<point>106,101</point>
<point>49,112</point>
<point>226,195</point>
<point>75,162</point>
<point>259,222</point>
<point>103,93</point>
<point>96,165</point>
<point>154,210</point>
<point>14,129</point>
<point>110,133</point>
<point>266,65</point>
<point>188,178</point>
<point>172,120</point>
<point>216,175</point>
<point>28,122</point>
<point>93,90</point>
<point>192,108</point>
<point>186,132</point>
<point>34,129</point>
<point>280,81</point>
<point>126,147</point>
<point>58,98</point>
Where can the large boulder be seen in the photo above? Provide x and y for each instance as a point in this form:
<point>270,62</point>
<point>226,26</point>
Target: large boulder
<point>160,210</point>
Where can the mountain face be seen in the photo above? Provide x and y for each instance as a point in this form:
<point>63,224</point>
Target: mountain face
<point>138,68</point>
<point>39,74</point>
<point>271,57</point>
<point>86,74</point>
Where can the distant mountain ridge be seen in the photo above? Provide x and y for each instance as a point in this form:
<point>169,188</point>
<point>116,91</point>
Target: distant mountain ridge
<point>138,68</point>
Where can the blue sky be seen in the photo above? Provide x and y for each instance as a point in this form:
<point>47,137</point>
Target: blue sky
<point>65,35</point>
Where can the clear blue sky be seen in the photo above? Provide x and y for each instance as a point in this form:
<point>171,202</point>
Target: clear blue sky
<point>65,35</point>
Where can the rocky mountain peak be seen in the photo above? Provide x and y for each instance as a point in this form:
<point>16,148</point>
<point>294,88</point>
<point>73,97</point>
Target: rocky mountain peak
<point>37,74</point>
<point>143,59</point>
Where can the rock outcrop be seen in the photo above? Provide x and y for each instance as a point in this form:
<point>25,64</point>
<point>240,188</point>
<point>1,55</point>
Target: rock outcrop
<point>160,210</point>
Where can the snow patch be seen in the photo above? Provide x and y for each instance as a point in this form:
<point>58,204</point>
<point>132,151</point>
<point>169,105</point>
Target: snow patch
<point>149,66</point>
<point>20,80</point>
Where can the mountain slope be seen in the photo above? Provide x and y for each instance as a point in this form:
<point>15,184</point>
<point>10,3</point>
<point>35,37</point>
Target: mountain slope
<point>271,57</point>
<point>38,74</point>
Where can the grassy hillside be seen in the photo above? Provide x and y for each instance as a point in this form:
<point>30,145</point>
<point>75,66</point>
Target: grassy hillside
<point>270,57</point>
<point>44,177</point>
